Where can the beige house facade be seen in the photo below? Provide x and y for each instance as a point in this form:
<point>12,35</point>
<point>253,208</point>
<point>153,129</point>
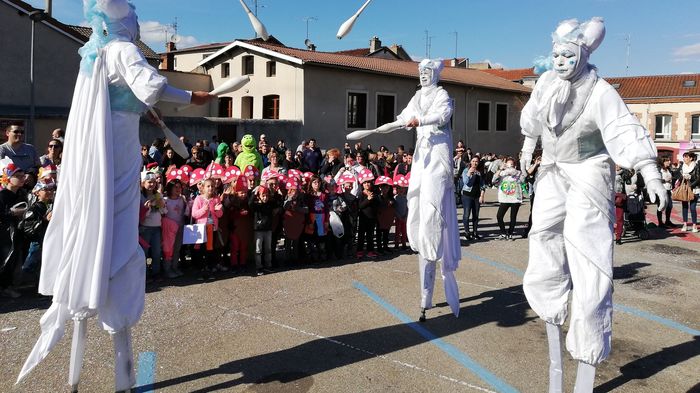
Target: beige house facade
<point>333,94</point>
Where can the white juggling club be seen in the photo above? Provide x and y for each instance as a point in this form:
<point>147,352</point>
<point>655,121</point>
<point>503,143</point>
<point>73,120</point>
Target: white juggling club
<point>229,86</point>
<point>385,129</point>
<point>259,28</point>
<point>175,142</point>
<point>348,24</point>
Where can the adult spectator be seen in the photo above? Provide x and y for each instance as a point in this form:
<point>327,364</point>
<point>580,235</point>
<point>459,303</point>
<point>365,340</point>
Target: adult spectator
<point>358,147</point>
<point>22,154</point>
<point>196,159</point>
<point>281,148</point>
<point>404,167</point>
<point>668,178</point>
<point>187,144</point>
<point>155,151</point>
<point>460,147</point>
<point>53,153</point>
<point>145,157</point>
<point>236,148</point>
<point>58,133</point>
<point>690,172</point>
<point>169,158</point>
<point>510,196</point>
<point>288,162</point>
<point>473,191</point>
<point>400,150</point>
<point>262,140</point>
<point>214,145</point>
<point>299,160</point>
<point>302,146</point>
<point>274,166</point>
<point>347,149</point>
<point>332,163</point>
<point>313,156</point>
<point>264,150</point>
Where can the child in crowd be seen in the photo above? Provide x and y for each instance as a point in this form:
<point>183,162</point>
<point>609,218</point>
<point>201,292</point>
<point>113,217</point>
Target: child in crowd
<point>385,213</point>
<point>401,210</point>
<point>317,224</point>
<point>152,209</point>
<point>345,205</point>
<point>13,205</point>
<point>36,220</point>
<point>207,209</point>
<point>368,203</point>
<point>240,224</point>
<point>172,225</point>
<point>272,181</point>
<point>261,206</point>
<point>295,211</point>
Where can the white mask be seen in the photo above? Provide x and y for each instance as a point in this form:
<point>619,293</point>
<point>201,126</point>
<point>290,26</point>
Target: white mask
<point>565,58</point>
<point>426,77</point>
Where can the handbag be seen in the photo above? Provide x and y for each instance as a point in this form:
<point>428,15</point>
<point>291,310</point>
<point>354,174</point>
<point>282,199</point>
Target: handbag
<point>683,192</point>
<point>194,233</point>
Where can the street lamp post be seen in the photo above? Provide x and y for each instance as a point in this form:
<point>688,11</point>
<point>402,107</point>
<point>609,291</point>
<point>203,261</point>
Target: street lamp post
<point>35,16</point>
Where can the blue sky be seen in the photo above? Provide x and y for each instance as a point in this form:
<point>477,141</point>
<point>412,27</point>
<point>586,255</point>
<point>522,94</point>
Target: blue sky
<point>665,36</point>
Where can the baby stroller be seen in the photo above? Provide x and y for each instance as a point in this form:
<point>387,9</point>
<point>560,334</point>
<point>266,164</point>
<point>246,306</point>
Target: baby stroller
<point>635,217</point>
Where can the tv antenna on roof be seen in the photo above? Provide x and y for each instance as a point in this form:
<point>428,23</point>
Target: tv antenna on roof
<point>308,19</point>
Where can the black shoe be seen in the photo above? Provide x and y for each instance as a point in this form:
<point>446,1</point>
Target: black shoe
<point>468,236</point>
<point>669,224</point>
<point>476,236</point>
<point>619,241</point>
<point>422,315</point>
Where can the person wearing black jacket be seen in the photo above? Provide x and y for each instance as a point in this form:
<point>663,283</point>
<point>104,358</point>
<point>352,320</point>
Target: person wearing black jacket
<point>262,207</point>
<point>331,164</point>
<point>11,239</point>
<point>33,225</point>
<point>369,202</point>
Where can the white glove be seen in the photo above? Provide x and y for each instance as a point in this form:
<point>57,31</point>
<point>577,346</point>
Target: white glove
<point>525,160</point>
<point>656,189</point>
<point>652,179</point>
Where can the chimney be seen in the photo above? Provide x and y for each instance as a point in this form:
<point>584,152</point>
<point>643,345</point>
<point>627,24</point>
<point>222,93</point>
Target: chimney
<point>49,7</point>
<point>167,59</point>
<point>374,44</point>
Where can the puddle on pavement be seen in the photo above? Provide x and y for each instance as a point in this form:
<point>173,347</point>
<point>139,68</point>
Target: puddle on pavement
<point>286,382</point>
<point>669,250</point>
<point>652,283</point>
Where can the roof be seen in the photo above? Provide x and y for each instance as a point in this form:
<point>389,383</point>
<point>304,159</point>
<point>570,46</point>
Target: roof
<point>354,52</point>
<point>86,32</point>
<point>656,86</point>
<point>516,74</point>
<point>402,68</point>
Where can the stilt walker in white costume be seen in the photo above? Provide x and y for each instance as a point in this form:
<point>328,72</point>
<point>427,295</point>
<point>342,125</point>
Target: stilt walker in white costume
<point>432,223</point>
<point>93,264</point>
<point>585,129</point>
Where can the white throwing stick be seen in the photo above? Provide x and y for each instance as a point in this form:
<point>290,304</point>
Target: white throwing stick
<point>229,86</point>
<point>175,142</point>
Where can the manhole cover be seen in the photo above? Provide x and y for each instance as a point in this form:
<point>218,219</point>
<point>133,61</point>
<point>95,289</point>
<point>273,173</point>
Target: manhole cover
<point>285,382</point>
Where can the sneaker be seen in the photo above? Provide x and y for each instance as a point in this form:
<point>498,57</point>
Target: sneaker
<point>360,254</point>
<point>9,292</point>
<point>618,242</point>
<point>695,229</point>
<point>511,237</point>
<point>259,273</point>
<point>372,254</point>
<point>502,237</point>
<point>685,227</point>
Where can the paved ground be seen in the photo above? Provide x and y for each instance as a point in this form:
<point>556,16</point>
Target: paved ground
<point>349,327</point>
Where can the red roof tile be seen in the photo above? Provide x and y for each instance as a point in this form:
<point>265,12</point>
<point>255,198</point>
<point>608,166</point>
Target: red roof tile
<point>516,74</point>
<point>656,86</point>
<point>403,68</point>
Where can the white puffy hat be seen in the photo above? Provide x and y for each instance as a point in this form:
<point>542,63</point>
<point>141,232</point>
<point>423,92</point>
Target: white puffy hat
<point>589,34</point>
<point>435,66</point>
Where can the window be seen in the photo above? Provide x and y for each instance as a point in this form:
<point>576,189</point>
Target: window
<point>247,107</point>
<point>483,114</point>
<point>248,65</point>
<point>225,107</point>
<point>689,83</point>
<point>357,110</point>
<point>501,117</point>
<point>225,70</point>
<point>663,127</point>
<point>385,109</point>
<point>271,107</point>
<point>271,68</point>
<point>175,62</point>
<point>695,127</point>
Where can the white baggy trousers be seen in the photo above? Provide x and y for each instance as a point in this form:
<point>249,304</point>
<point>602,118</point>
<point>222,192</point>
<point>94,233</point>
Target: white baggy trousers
<point>571,252</point>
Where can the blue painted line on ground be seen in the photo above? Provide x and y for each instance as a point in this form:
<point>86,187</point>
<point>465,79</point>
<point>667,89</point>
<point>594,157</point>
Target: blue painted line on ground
<point>616,306</point>
<point>453,352</point>
<point>146,374</point>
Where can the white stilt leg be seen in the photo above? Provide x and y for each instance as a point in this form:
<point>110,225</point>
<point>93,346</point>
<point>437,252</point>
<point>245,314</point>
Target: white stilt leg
<point>556,374</point>
<point>585,378</point>
<point>76,352</point>
<point>124,376</point>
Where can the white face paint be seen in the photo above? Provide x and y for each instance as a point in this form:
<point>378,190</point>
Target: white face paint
<point>426,77</point>
<point>565,58</point>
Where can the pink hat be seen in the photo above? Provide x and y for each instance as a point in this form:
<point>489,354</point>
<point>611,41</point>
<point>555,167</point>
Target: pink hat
<point>251,171</point>
<point>281,178</point>
<point>384,180</point>
<point>346,178</point>
<point>231,174</point>
<point>47,171</point>
<point>242,183</point>
<point>197,176</point>
<point>291,183</point>
<point>365,175</point>
<point>269,175</point>
<point>294,173</point>
<point>215,171</point>
<point>400,181</point>
<point>176,174</point>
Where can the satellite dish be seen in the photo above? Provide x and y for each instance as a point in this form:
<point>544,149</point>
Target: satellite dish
<point>175,38</point>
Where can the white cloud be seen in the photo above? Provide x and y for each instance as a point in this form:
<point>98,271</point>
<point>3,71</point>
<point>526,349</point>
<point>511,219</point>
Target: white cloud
<point>493,64</point>
<point>154,34</point>
<point>687,52</point>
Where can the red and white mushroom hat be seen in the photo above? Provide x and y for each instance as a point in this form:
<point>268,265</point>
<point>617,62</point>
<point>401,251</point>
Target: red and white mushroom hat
<point>291,183</point>
<point>175,173</point>
<point>251,171</point>
<point>294,173</point>
<point>231,174</point>
<point>400,180</point>
<point>384,180</point>
<point>365,175</point>
<point>267,175</point>
<point>197,176</point>
<point>215,171</point>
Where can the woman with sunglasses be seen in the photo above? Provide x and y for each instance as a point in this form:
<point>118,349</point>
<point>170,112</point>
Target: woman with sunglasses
<point>53,153</point>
